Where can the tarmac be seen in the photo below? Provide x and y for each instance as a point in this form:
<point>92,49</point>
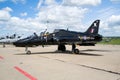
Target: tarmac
<point>100,62</point>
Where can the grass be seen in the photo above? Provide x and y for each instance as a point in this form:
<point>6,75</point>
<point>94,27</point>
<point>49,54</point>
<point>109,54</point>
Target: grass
<point>111,40</point>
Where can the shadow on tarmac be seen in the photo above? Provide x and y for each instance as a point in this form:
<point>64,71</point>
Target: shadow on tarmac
<point>82,52</point>
<point>95,50</point>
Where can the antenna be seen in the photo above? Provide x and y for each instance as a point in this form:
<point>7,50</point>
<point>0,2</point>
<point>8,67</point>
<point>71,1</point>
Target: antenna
<point>67,29</point>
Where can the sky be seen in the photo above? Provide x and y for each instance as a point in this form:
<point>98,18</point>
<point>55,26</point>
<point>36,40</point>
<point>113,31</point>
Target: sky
<point>29,16</point>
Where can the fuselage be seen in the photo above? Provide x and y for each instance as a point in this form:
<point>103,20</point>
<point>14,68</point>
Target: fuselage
<point>60,37</point>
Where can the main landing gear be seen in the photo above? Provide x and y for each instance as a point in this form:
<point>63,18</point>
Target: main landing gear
<point>27,51</point>
<point>74,49</point>
<point>61,47</point>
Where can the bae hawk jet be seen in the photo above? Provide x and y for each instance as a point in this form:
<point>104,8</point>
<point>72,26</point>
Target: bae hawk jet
<point>63,37</point>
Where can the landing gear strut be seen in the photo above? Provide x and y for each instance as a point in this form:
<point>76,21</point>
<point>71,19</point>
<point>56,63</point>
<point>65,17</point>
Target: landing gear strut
<point>74,49</point>
<point>61,47</point>
<point>27,51</point>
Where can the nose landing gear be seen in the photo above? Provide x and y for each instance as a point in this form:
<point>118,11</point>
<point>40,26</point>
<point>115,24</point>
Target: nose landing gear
<point>74,49</point>
<point>27,51</point>
<point>61,47</point>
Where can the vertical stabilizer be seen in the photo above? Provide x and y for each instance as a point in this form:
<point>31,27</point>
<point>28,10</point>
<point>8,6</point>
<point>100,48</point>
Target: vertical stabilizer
<point>93,29</point>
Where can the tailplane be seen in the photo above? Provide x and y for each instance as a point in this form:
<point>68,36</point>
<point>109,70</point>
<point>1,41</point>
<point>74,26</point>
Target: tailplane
<point>93,29</point>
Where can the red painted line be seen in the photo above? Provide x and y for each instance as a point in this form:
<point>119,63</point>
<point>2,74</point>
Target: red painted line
<point>25,73</point>
<point>1,57</point>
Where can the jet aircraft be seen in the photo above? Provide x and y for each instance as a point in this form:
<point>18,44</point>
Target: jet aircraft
<point>63,37</point>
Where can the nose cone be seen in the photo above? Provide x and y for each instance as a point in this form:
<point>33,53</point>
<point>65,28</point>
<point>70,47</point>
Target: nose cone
<point>20,43</point>
<point>14,43</point>
<point>17,44</point>
<point>29,41</point>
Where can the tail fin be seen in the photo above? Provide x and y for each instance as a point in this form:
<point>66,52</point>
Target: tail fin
<point>93,29</point>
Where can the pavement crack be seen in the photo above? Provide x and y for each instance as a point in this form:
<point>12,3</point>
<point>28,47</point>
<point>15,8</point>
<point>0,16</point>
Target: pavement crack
<point>100,69</point>
<point>59,60</point>
<point>44,57</point>
<point>86,66</point>
<point>118,79</point>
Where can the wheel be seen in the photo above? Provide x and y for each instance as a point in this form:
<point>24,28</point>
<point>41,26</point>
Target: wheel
<point>76,51</point>
<point>28,52</point>
<point>61,47</point>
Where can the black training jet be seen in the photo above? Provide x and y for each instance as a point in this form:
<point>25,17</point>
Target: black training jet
<point>62,37</point>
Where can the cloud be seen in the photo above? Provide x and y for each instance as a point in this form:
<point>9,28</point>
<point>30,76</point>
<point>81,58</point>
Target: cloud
<point>50,2</point>
<point>23,14</point>
<point>65,15</point>
<point>40,4</point>
<point>107,12</point>
<point>2,0</point>
<point>50,17</point>
<point>70,2</point>
<point>5,14</point>
<point>114,20</point>
<point>21,26</point>
<point>27,24</point>
<point>111,26</point>
<point>47,2</point>
<point>81,2</point>
<point>7,9</point>
<point>115,1</point>
<point>19,1</point>
<point>58,16</point>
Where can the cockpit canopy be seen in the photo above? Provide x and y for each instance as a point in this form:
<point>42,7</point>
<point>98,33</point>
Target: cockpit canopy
<point>57,30</point>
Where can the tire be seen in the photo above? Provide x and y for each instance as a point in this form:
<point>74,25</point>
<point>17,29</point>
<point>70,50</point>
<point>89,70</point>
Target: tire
<point>28,52</point>
<point>63,48</point>
<point>76,51</point>
<point>59,47</point>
